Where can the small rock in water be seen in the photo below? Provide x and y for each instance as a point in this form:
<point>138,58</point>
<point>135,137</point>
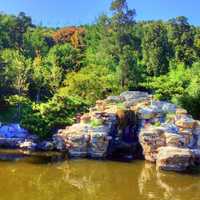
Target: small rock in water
<point>28,145</point>
<point>174,159</point>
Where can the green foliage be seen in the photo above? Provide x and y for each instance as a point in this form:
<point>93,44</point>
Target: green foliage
<point>7,115</point>
<point>155,48</point>
<point>17,69</point>
<point>181,39</point>
<point>191,97</point>
<point>96,122</point>
<point>170,85</point>
<point>44,118</point>
<point>120,106</point>
<point>37,41</point>
<point>50,70</point>
<point>181,86</point>
<point>91,83</point>
<point>65,56</point>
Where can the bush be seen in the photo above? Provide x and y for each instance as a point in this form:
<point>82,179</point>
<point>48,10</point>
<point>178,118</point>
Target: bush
<point>43,119</point>
<point>173,84</point>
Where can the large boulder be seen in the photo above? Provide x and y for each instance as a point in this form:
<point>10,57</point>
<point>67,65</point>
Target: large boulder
<point>174,158</point>
<point>13,131</point>
<point>14,136</point>
<point>86,140</point>
<point>151,139</point>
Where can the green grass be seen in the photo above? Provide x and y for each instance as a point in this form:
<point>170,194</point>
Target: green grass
<point>120,106</point>
<point>157,124</point>
<point>96,122</point>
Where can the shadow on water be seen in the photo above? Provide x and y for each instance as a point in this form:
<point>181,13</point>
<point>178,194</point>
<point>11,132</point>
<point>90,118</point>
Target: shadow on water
<point>32,157</point>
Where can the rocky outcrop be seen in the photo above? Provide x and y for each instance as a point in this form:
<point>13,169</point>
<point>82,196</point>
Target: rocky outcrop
<point>167,134</point>
<point>90,137</point>
<point>107,130</point>
<point>125,126</point>
<point>12,136</point>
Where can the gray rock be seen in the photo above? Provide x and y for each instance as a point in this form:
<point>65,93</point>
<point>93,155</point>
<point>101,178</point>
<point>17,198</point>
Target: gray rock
<point>46,146</point>
<point>114,99</point>
<point>28,145</point>
<point>13,131</point>
<point>174,159</point>
<point>133,95</point>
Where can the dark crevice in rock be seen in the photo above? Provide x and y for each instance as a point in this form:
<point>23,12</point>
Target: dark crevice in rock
<point>125,145</point>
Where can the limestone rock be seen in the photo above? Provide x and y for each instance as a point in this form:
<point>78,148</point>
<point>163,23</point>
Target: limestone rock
<point>174,140</point>
<point>134,97</point>
<point>174,159</point>
<point>151,139</point>
<point>83,140</point>
<point>114,99</point>
<point>46,146</point>
<point>185,122</point>
<point>129,95</point>
<point>181,111</point>
<point>196,156</point>
<point>146,113</point>
<point>13,131</point>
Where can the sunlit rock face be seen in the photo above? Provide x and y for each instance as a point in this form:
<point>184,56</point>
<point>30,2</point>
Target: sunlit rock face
<point>109,129</point>
<point>89,139</point>
<point>116,123</point>
<point>177,135</point>
<point>173,158</point>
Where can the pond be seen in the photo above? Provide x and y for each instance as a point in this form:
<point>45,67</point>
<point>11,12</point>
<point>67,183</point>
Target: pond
<point>52,176</point>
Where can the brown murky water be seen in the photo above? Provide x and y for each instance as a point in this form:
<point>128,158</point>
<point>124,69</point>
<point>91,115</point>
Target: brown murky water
<point>41,177</point>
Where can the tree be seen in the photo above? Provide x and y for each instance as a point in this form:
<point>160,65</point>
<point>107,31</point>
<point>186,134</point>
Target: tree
<point>121,23</point>
<point>155,48</point>
<point>43,119</point>
<point>181,39</point>
<point>65,56</point>
<point>54,78</point>
<point>128,69</point>
<point>17,69</point>
<point>37,41</point>
<point>73,35</point>
<point>39,76</point>
<point>90,83</point>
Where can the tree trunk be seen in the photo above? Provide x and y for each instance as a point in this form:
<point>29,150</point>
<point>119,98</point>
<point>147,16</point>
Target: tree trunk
<point>38,96</point>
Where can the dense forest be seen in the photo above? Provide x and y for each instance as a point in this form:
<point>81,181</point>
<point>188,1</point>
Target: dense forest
<point>48,75</point>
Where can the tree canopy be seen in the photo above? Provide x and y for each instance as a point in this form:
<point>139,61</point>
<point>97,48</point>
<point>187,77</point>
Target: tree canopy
<point>50,73</point>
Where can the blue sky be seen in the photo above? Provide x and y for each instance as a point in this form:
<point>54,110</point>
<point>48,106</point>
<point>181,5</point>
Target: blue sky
<point>67,12</point>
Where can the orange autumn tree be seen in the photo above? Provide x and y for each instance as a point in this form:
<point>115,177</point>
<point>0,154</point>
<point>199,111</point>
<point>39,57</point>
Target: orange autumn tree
<point>73,35</point>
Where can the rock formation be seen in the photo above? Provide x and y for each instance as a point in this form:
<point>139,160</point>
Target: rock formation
<point>118,125</point>
<point>126,126</point>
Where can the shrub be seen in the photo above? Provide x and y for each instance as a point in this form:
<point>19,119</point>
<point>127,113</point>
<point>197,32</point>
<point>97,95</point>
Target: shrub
<point>43,119</point>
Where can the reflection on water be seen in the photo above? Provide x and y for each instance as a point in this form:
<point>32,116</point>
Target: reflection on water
<point>29,178</point>
<point>168,185</point>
